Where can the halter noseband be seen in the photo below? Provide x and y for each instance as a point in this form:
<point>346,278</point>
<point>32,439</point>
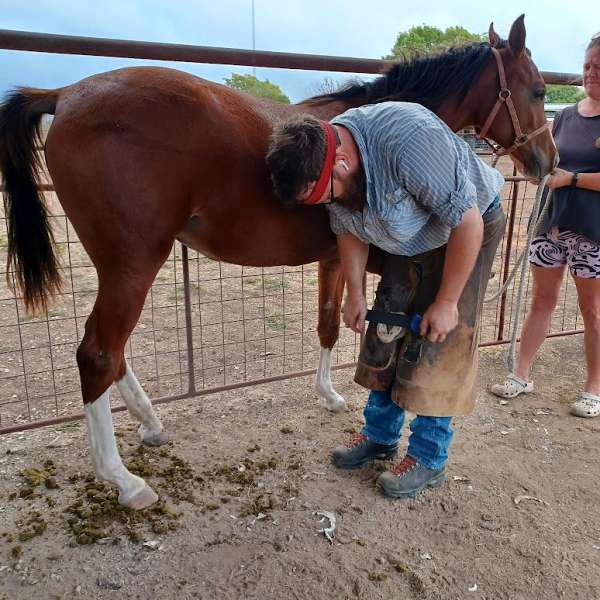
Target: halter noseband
<point>505,98</point>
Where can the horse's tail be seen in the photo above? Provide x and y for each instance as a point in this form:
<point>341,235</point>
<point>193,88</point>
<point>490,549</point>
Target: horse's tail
<point>31,256</point>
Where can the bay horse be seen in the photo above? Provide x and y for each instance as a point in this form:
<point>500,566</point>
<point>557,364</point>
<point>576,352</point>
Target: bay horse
<point>140,157</point>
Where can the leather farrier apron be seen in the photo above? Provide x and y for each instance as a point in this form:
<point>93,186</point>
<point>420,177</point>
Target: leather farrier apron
<point>428,378</point>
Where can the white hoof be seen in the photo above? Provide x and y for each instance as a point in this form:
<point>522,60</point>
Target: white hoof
<point>335,403</point>
<point>142,499</point>
<point>152,438</point>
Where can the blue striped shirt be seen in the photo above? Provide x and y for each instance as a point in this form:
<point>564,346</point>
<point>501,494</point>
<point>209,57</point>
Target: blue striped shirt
<point>420,177</point>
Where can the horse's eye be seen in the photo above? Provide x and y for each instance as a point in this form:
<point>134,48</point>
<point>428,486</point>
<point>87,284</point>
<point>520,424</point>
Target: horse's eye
<point>539,94</point>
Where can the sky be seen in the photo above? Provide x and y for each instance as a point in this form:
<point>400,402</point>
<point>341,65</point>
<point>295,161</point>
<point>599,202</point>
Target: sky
<point>557,32</point>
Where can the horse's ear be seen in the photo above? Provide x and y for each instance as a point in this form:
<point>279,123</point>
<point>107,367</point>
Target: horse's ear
<point>516,37</point>
<point>493,37</point>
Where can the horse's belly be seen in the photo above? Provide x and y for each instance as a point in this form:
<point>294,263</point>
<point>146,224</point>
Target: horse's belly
<point>262,247</point>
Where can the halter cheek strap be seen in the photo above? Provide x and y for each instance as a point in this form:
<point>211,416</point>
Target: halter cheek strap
<point>315,197</point>
<point>505,99</point>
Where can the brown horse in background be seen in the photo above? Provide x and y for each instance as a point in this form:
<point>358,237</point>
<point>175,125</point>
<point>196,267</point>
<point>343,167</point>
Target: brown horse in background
<point>140,157</point>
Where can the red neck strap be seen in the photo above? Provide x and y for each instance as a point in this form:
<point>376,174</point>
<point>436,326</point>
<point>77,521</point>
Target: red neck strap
<point>315,196</point>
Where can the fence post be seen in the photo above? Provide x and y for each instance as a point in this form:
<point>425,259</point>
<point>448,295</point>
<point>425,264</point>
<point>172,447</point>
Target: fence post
<point>188,319</point>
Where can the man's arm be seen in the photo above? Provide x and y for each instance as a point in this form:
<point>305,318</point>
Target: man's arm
<point>353,254</point>
<point>463,247</point>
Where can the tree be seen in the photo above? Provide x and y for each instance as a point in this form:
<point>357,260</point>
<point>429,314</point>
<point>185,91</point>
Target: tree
<point>563,94</point>
<point>256,87</point>
<point>425,38</point>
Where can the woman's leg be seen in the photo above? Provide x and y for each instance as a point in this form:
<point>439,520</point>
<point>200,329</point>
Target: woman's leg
<point>546,287</point>
<point>588,292</point>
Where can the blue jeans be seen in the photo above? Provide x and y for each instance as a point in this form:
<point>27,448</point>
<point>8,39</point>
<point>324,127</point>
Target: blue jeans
<point>430,437</point>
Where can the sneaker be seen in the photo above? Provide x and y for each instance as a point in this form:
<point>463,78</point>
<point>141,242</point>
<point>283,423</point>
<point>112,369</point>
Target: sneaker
<point>361,450</point>
<point>512,387</point>
<point>408,478</point>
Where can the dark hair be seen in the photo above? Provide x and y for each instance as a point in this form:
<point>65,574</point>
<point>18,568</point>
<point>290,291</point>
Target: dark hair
<point>295,156</point>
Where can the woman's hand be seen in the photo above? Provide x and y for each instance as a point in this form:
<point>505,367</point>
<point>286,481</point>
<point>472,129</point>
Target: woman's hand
<point>439,320</point>
<point>559,178</point>
<point>354,312</point>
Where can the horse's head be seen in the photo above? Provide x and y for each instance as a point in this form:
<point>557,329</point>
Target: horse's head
<point>511,104</point>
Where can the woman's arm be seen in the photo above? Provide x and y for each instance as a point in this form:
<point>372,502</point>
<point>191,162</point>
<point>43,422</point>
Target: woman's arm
<point>585,181</point>
<point>353,254</point>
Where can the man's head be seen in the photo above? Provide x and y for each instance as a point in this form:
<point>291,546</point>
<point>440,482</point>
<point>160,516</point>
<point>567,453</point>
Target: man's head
<point>296,156</point>
<point>310,165</point>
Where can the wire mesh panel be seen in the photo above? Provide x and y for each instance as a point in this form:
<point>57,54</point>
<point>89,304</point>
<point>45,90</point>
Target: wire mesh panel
<point>518,197</point>
<point>228,325</point>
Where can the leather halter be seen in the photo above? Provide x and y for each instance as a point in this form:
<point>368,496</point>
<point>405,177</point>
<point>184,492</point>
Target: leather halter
<point>505,98</point>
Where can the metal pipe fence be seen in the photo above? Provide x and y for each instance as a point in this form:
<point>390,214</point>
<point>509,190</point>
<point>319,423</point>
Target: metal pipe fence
<point>206,326</point>
<point>90,46</point>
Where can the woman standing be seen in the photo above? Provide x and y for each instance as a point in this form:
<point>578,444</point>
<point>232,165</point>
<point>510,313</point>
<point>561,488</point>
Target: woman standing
<point>571,238</point>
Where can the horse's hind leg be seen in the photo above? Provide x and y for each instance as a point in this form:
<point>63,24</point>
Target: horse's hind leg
<point>331,289</point>
<point>139,407</point>
<point>122,290</point>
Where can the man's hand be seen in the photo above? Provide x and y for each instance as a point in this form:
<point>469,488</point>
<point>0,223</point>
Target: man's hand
<point>559,178</point>
<point>354,312</point>
<point>439,320</point>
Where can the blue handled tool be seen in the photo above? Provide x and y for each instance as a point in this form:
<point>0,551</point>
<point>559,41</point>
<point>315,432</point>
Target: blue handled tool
<point>412,322</point>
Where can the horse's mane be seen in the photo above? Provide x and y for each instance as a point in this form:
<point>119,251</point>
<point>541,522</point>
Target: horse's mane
<point>426,79</point>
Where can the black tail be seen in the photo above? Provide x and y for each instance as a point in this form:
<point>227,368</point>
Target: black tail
<point>31,255</point>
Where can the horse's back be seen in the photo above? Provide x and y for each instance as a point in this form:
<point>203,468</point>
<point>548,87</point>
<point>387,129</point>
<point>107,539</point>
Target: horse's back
<point>171,104</point>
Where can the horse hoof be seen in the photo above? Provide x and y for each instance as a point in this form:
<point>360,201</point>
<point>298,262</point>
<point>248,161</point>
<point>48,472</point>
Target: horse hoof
<point>143,499</point>
<point>335,404</point>
<point>152,438</point>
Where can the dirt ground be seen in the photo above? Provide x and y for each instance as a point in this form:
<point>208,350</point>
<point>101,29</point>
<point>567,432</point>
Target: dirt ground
<point>246,471</point>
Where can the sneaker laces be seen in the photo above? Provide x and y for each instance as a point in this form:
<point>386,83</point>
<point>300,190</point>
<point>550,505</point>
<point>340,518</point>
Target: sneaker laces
<point>404,466</point>
<point>356,440</point>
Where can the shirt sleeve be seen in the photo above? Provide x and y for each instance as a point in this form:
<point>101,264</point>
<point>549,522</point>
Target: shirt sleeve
<point>434,174</point>
<point>336,222</point>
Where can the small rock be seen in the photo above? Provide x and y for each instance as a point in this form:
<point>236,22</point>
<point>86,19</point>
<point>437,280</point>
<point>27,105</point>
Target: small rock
<point>473,588</point>
<point>103,541</point>
<point>461,478</point>
<point>108,584</point>
<point>152,545</point>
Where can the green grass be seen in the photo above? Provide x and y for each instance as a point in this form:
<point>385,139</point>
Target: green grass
<point>270,283</point>
<point>311,280</point>
<point>279,322</point>
<point>69,426</point>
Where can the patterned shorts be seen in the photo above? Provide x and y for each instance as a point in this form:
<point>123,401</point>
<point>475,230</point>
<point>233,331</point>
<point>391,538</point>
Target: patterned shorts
<point>557,248</point>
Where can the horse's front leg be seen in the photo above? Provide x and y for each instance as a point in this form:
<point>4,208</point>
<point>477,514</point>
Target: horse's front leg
<point>331,289</point>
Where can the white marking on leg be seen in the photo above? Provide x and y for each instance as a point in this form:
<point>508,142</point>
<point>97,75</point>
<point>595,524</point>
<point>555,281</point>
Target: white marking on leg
<point>140,408</point>
<point>133,490</point>
<point>331,399</point>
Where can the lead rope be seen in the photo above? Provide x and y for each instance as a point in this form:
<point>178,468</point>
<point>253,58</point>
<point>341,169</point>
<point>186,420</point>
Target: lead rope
<point>522,264</point>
